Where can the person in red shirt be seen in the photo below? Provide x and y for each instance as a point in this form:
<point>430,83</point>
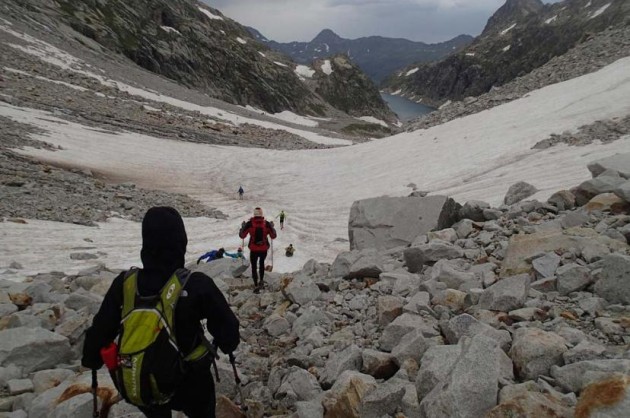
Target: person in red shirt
<point>259,231</point>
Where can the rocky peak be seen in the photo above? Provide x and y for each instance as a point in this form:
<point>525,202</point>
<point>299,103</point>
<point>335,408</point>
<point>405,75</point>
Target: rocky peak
<point>327,36</point>
<point>511,12</point>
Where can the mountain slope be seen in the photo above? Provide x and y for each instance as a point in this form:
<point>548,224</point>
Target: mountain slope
<point>376,55</point>
<point>521,36</point>
<point>194,45</point>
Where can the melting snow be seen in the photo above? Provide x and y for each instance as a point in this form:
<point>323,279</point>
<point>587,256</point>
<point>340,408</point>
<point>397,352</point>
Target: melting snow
<point>397,92</point>
<point>470,54</point>
<point>304,71</point>
<point>210,15</point>
<point>262,54</point>
<point>412,71</point>
<point>280,64</point>
<point>372,119</point>
<point>503,32</point>
<point>507,48</point>
<point>241,40</point>
<point>327,47</point>
<point>588,5</point>
<point>551,19</point>
<point>600,10</point>
<point>170,29</point>
<point>327,67</point>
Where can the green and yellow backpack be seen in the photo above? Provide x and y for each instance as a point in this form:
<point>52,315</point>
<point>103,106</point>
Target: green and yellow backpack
<point>151,365</point>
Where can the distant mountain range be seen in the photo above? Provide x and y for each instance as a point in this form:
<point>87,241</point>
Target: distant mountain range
<point>377,56</point>
<point>521,36</point>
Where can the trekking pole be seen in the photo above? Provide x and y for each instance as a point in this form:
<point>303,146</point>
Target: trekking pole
<point>95,413</point>
<point>238,381</point>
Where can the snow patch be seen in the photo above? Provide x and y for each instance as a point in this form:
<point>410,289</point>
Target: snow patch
<point>241,40</point>
<point>262,54</point>
<point>372,119</point>
<point>551,19</point>
<point>600,11</point>
<point>327,67</point>
<point>291,117</point>
<point>412,71</point>
<point>445,105</point>
<point>280,64</point>
<point>503,32</point>
<point>327,47</point>
<point>304,71</point>
<point>588,5</point>
<point>210,15</point>
<point>397,92</point>
<point>507,48</point>
<point>470,54</point>
<point>170,29</point>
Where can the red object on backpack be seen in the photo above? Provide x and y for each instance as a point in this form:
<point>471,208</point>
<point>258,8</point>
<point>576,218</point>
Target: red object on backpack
<point>109,355</point>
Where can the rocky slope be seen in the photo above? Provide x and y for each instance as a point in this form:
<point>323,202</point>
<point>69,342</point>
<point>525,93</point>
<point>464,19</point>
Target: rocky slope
<point>520,37</point>
<point>188,42</point>
<point>470,311</point>
<point>377,56</point>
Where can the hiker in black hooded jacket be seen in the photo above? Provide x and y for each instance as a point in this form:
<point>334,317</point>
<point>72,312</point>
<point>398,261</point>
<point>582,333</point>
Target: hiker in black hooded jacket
<point>164,243</point>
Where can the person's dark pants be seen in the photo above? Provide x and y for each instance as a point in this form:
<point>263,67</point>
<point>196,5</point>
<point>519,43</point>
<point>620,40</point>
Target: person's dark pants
<point>258,257</point>
<point>195,397</point>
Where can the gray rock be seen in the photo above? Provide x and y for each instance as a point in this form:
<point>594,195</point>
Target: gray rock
<point>454,273</point>
<point>618,162</point>
<point>518,192</point>
<point>348,359</point>
<point>573,277</point>
<point>124,410</point>
<point>378,364</point>
<point>389,308</point>
<point>401,326</point>
<point>19,386</point>
<point>464,228</point>
<point>276,325</point>
<point>311,409</point>
<point>33,348</point>
<point>412,346</point>
<point>7,309</point>
<point>599,185</point>
<point>436,364</point>
<point>613,284</point>
<point>383,400</point>
<point>535,351</point>
<point>389,222</point>
<point>574,377</point>
<point>345,397</point>
<point>471,388</point>
<point>466,325</point>
<point>563,200</point>
<point>420,302</point>
<point>299,385</point>
<point>310,318</point>
<point>76,406</point>
<point>473,210</point>
<point>584,351</point>
<point>9,372</point>
<point>367,264</point>
<point>417,257</point>
<point>74,327</point>
<point>84,299</point>
<point>302,290</point>
<point>48,379</point>
<point>606,399</point>
<point>546,266</point>
<point>507,294</point>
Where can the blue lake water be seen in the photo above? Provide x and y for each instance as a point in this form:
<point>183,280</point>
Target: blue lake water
<point>404,108</point>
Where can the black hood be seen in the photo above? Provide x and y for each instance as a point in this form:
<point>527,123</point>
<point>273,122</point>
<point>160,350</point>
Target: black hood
<point>164,242</point>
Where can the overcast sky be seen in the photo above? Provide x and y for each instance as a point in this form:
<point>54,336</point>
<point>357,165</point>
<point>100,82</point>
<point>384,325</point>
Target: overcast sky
<point>418,20</point>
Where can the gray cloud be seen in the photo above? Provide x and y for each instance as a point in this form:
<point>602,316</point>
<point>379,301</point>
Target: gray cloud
<point>418,20</point>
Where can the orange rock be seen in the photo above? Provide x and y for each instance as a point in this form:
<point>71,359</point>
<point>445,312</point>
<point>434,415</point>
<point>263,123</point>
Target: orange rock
<point>531,405</point>
<point>21,300</point>
<point>610,397</point>
<point>569,315</point>
<point>227,409</point>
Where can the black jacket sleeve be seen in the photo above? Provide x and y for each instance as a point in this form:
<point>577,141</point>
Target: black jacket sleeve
<point>105,325</point>
<point>221,322</point>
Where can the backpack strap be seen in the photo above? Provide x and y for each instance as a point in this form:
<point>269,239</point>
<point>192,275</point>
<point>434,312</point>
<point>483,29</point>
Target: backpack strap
<point>130,290</point>
<point>169,295</point>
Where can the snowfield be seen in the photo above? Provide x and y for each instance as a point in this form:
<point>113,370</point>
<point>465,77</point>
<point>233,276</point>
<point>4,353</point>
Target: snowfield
<point>475,157</point>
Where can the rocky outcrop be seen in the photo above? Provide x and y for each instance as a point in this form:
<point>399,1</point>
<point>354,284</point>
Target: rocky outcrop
<point>521,36</point>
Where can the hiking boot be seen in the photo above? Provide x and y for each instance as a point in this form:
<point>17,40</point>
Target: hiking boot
<point>257,290</point>
<point>261,284</point>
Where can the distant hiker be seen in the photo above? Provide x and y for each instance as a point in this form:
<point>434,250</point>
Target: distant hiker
<point>289,251</point>
<point>237,254</point>
<point>212,255</point>
<point>241,192</point>
<point>281,215</point>
<point>168,369</point>
<point>258,230</point>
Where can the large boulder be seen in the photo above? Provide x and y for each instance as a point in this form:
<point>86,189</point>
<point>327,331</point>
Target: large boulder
<point>348,359</point>
<point>609,398</point>
<point>436,364</point>
<point>403,325</point>
<point>524,247</point>
<point>378,364</point>
<point>613,284</point>
<point>33,348</point>
<point>507,294</point>
<point>473,210</point>
<point>390,222</point>
<point>518,192</point>
<point>531,405</point>
<point>576,376</point>
<point>534,351</point>
<point>573,277</point>
<point>466,325</point>
<point>618,162</point>
<point>298,385</point>
<point>357,264</point>
<point>384,400</point>
<point>302,290</point>
<point>419,256</point>
<point>471,388</point>
<point>344,399</point>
